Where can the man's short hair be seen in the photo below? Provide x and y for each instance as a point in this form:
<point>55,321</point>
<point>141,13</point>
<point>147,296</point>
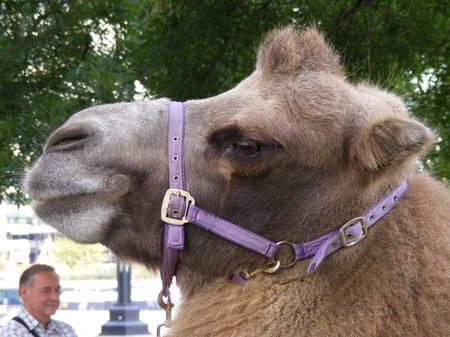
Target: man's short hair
<point>27,276</point>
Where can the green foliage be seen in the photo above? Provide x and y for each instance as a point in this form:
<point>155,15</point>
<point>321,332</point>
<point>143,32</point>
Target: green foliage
<point>75,254</point>
<point>195,49</point>
<point>50,68</point>
<point>56,57</point>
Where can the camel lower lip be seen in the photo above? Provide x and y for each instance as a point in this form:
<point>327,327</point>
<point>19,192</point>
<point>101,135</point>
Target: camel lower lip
<point>38,198</point>
<point>57,196</point>
<point>47,193</point>
<point>79,217</point>
<point>50,197</point>
<point>52,202</point>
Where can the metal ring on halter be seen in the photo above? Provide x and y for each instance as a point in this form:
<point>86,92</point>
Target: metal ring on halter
<point>294,260</point>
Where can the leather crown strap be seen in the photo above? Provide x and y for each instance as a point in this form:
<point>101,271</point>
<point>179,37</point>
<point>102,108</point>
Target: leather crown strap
<point>179,208</point>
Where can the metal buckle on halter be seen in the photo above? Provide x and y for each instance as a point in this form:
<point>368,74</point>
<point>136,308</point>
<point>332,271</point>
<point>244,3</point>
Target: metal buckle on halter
<point>165,206</point>
<point>344,237</point>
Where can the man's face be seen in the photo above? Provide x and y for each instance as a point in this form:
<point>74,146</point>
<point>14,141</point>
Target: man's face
<point>41,296</point>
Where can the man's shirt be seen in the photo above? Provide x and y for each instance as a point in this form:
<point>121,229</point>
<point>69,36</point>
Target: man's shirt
<point>54,329</point>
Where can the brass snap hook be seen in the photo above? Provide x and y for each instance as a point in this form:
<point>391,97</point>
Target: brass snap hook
<point>167,307</point>
<point>272,268</point>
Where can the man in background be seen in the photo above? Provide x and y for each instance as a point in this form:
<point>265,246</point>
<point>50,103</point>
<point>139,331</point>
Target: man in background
<point>39,289</point>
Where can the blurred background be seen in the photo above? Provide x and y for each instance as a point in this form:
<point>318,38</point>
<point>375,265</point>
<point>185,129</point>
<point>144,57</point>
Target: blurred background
<point>58,57</point>
<point>88,274</point>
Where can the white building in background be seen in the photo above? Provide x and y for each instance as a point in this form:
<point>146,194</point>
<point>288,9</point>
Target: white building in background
<point>22,236</point>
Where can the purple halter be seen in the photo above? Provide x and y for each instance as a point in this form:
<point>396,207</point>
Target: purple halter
<point>178,208</point>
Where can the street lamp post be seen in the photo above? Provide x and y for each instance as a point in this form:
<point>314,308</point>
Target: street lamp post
<point>124,315</point>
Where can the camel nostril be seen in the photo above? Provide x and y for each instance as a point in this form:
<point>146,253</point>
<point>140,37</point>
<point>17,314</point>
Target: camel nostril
<point>67,138</point>
<point>65,143</point>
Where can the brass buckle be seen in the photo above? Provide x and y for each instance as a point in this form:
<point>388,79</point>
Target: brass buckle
<point>165,206</point>
<point>294,260</point>
<point>343,236</point>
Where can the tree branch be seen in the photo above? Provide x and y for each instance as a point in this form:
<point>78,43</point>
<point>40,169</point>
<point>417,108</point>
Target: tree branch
<point>344,18</point>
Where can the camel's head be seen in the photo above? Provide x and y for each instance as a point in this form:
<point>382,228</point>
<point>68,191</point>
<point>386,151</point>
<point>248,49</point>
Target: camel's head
<point>292,151</point>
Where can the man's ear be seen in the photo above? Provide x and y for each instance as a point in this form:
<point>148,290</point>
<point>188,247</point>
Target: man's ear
<point>387,144</point>
<point>22,290</point>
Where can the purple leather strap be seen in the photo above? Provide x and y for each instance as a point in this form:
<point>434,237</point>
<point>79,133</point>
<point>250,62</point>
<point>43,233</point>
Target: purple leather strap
<point>174,235</point>
<point>319,247</point>
<point>333,241</point>
<point>231,232</point>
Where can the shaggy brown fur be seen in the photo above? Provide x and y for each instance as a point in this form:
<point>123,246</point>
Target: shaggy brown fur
<point>326,151</point>
<point>395,284</point>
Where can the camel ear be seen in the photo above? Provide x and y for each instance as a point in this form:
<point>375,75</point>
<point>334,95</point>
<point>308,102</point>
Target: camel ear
<point>287,51</point>
<point>388,143</point>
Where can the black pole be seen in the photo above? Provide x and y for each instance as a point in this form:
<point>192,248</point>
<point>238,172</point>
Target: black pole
<point>123,315</point>
<point>124,284</point>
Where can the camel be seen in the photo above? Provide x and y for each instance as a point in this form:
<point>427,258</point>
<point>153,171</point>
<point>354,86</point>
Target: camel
<point>291,153</point>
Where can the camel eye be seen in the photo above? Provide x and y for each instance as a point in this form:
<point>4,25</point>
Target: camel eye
<point>247,148</point>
